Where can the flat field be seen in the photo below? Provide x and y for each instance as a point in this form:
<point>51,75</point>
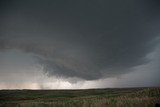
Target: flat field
<point>109,97</point>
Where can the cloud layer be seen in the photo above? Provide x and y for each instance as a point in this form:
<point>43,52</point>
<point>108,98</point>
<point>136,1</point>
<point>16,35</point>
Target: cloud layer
<point>87,40</point>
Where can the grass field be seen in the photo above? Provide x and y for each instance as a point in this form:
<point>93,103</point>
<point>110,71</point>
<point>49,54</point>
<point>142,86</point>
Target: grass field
<point>111,97</point>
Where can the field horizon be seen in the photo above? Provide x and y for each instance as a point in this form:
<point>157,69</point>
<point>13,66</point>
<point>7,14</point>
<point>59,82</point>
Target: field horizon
<point>101,97</point>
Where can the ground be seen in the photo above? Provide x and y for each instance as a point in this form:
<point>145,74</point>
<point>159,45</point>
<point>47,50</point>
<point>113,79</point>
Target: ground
<point>110,97</point>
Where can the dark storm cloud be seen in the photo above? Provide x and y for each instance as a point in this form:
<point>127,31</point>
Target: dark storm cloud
<point>85,39</point>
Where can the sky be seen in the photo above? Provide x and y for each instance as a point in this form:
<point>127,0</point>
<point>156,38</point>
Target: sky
<point>79,44</point>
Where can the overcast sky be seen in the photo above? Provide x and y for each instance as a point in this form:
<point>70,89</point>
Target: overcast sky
<point>63,44</point>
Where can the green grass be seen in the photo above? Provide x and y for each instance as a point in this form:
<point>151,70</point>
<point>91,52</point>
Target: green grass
<point>112,97</point>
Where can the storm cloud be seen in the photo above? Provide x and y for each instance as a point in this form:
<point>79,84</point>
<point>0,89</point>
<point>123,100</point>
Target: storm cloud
<point>84,39</point>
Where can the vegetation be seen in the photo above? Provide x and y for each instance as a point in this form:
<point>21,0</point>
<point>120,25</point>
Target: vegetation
<point>112,97</point>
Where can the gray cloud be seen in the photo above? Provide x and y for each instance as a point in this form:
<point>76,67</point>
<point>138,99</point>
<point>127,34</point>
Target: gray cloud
<point>88,40</point>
